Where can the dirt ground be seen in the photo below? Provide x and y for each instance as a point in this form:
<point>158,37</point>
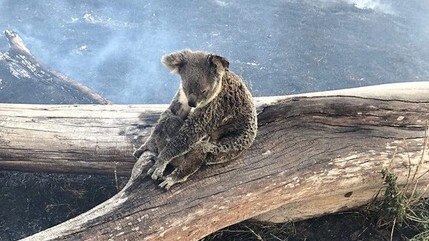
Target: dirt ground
<point>31,202</point>
<point>336,227</point>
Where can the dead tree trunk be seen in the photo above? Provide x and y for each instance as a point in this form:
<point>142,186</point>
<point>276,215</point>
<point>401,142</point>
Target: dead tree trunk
<point>314,153</point>
<point>23,79</point>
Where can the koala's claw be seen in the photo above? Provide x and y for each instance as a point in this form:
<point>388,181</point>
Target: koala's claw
<point>157,170</point>
<point>167,183</point>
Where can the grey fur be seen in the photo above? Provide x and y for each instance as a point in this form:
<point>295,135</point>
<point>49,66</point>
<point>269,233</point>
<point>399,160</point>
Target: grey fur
<point>222,125</point>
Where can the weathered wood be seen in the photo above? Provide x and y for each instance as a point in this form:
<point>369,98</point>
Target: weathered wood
<point>321,151</point>
<point>24,79</point>
<point>71,138</point>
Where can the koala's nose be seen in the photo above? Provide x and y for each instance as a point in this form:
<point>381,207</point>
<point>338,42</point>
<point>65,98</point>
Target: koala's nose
<point>192,100</point>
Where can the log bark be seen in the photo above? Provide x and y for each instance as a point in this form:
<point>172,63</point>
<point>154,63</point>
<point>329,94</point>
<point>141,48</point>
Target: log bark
<point>24,79</point>
<point>314,153</point>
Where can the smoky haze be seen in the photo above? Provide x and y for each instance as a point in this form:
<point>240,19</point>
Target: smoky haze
<point>279,47</point>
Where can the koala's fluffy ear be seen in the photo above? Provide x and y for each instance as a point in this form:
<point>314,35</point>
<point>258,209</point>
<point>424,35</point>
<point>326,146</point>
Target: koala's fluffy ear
<point>175,61</point>
<point>218,61</point>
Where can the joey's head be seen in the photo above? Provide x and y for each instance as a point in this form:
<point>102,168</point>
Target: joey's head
<point>201,74</point>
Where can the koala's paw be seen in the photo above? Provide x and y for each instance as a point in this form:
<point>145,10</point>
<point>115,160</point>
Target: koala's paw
<point>177,176</point>
<point>168,182</point>
<point>137,153</point>
<point>145,160</point>
<point>148,155</point>
<point>157,170</point>
<point>209,147</point>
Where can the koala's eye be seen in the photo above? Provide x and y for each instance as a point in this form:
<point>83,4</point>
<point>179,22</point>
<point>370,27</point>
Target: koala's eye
<point>204,92</point>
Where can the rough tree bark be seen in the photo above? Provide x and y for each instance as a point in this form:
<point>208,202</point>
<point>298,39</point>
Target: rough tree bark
<point>314,153</point>
<point>24,79</point>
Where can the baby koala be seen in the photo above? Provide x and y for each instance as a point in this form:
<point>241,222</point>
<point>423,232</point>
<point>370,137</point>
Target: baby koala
<point>221,125</point>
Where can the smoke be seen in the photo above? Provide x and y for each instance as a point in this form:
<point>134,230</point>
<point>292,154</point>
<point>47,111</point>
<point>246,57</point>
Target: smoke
<point>376,5</point>
<point>221,3</point>
<point>279,48</point>
<point>103,21</point>
<point>105,47</point>
<point>379,6</point>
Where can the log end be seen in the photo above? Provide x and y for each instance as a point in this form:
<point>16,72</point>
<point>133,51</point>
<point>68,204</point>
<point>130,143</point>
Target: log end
<point>15,41</point>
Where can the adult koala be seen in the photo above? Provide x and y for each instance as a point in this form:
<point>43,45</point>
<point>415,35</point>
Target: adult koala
<point>212,118</point>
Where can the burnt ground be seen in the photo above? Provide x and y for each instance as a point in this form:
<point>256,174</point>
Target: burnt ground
<point>352,225</point>
<point>31,202</point>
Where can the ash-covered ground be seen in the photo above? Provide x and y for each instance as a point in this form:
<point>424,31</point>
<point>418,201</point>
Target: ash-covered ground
<point>279,47</point>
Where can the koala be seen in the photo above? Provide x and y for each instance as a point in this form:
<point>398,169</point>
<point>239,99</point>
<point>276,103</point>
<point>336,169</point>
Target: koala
<point>212,119</point>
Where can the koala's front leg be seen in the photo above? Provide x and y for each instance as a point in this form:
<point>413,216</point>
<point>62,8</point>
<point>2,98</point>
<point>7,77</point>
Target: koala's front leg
<point>145,154</point>
<point>148,146</point>
<point>190,133</point>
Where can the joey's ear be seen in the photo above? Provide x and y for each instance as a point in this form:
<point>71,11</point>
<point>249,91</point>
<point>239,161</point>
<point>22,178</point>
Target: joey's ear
<point>218,61</point>
<point>175,61</point>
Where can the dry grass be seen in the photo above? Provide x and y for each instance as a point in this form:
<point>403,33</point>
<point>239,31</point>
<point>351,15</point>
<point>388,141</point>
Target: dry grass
<point>403,206</point>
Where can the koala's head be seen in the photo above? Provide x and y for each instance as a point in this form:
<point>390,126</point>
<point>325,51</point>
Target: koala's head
<point>201,74</point>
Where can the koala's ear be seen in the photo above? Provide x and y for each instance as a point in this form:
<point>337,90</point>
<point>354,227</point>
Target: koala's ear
<point>218,60</point>
<point>175,61</point>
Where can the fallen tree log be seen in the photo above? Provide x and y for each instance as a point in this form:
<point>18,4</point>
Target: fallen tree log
<point>24,79</point>
<point>314,153</point>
